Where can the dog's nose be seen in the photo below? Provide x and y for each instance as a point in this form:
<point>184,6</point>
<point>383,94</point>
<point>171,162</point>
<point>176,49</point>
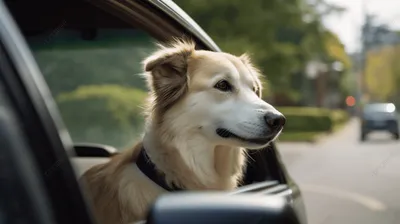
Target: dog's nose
<point>274,121</point>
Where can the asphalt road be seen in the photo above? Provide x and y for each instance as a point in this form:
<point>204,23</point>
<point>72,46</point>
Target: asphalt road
<point>345,181</point>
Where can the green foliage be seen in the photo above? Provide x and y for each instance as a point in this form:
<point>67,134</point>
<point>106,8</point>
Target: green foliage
<point>299,136</point>
<point>383,70</point>
<point>276,33</point>
<point>304,110</point>
<point>100,93</point>
<point>67,64</point>
<point>307,119</point>
<point>335,50</point>
<point>321,121</point>
<point>108,114</point>
<point>380,72</point>
<point>339,117</point>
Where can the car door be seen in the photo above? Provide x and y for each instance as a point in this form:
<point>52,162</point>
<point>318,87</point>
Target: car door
<point>70,40</point>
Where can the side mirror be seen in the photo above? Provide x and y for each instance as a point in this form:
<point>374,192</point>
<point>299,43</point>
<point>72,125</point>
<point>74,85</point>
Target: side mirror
<point>93,150</point>
<point>215,208</point>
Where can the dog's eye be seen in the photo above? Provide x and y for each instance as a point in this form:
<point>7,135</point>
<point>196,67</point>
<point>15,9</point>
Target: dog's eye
<point>223,85</point>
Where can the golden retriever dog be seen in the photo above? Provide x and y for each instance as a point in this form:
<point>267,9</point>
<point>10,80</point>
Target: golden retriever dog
<point>204,109</point>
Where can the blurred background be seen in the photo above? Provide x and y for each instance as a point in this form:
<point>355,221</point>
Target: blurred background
<point>322,61</point>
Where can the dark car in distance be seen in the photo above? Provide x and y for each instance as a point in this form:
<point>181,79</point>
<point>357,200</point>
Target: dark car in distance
<point>379,117</point>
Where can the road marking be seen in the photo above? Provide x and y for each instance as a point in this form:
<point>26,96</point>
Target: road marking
<point>363,200</point>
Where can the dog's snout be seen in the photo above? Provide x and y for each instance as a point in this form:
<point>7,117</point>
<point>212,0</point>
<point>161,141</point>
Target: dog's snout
<point>274,120</point>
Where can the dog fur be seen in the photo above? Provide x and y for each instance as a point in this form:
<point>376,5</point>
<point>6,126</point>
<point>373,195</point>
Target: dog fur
<point>183,113</point>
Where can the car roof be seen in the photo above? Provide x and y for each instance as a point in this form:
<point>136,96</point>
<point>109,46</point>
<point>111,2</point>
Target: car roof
<point>180,16</point>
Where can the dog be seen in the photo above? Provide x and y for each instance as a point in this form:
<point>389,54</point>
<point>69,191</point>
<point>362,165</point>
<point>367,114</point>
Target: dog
<point>204,109</point>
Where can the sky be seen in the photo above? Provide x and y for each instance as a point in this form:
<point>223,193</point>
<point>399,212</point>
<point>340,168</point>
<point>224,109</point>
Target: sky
<point>347,25</point>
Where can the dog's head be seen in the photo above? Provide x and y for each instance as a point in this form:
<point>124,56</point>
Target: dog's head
<point>210,94</point>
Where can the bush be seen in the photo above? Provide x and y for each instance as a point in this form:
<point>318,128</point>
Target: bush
<point>340,116</point>
<point>307,119</point>
<point>107,114</point>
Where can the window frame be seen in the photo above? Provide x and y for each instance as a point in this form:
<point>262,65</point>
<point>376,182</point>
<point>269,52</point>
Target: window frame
<point>148,15</point>
<point>19,176</point>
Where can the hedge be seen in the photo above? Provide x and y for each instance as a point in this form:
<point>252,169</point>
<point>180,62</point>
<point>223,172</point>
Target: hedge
<point>106,114</point>
<point>339,116</point>
<point>308,119</point>
<point>112,114</point>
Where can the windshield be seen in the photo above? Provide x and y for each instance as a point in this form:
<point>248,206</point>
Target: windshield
<point>379,107</point>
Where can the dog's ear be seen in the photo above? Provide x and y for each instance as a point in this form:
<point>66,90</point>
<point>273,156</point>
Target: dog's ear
<point>255,72</point>
<point>245,58</point>
<point>168,71</point>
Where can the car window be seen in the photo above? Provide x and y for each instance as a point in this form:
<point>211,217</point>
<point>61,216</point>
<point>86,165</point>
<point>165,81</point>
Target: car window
<point>94,75</point>
<point>92,66</point>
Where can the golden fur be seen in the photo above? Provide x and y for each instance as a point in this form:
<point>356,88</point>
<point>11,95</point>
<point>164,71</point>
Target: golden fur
<point>118,191</point>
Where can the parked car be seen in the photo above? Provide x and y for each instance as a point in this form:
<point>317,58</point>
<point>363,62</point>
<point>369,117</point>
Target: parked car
<point>379,117</point>
<point>39,164</point>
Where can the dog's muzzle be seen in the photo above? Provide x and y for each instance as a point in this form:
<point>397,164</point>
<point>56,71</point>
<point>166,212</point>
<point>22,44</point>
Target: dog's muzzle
<point>274,123</point>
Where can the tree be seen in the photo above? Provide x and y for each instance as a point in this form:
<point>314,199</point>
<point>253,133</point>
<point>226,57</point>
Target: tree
<point>382,72</point>
<point>281,36</point>
<point>336,52</point>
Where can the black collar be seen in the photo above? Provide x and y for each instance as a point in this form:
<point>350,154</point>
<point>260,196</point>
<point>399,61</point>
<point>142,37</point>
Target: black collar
<point>149,169</point>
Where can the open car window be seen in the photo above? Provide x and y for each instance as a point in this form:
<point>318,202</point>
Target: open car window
<point>92,65</point>
<point>97,83</point>
<point>91,61</point>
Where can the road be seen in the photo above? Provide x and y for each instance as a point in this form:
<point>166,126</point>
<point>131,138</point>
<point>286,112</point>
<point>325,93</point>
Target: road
<point>345,181</point>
